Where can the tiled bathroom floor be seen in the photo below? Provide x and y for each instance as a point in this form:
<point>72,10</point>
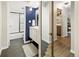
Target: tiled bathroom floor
<point>15,49</point>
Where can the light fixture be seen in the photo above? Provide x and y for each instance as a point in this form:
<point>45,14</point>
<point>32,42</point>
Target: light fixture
<point>30,9</point>
<point>67,4</point>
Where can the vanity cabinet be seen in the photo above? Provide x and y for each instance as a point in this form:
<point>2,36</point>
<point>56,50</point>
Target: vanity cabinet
<point>34,34</point>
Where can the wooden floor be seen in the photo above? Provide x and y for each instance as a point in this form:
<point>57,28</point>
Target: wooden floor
<point>61,48</point>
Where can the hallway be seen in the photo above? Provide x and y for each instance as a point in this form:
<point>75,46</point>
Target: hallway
<point>61,48</point>
<point>15,49</point>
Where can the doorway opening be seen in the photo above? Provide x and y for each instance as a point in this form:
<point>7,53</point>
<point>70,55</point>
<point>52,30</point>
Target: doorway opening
<point>22,23</point>
<point>62,29</point>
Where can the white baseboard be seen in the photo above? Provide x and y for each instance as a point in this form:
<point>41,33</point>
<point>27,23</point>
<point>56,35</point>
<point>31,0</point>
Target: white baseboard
<point>64,36</point>
<point>55,39</point>
<point>72,51</point>
<point>3,49</point>
<point>46,41</point>
<point>26,41</point>
<point>0,51</point>
<point>15,36</point>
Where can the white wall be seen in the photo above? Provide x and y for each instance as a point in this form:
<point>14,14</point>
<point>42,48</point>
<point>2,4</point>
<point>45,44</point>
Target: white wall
<point>64,21</point>
<point>45,22</point>
<point>50,21</point>
<point>54,22</point>
<point>0,25</point>
<point>72,27</point>
<point>3,26</point>
<point>13,19</point>
<point>65,15</point>
<point>75,28</point>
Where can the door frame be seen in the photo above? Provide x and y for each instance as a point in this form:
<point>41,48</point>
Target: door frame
<point>40,27</point>
<point>53,39</point>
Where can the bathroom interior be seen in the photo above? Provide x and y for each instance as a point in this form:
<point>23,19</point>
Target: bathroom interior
<point>22,29</point>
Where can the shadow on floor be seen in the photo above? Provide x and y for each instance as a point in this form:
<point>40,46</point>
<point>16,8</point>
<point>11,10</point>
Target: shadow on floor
<point>44,48</point>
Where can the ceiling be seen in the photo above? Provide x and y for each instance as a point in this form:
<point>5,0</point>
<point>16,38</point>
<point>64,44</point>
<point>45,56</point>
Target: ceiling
<point>63,3</point>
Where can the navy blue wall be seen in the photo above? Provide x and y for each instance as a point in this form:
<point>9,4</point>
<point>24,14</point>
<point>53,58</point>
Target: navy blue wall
<point>30,15</point>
